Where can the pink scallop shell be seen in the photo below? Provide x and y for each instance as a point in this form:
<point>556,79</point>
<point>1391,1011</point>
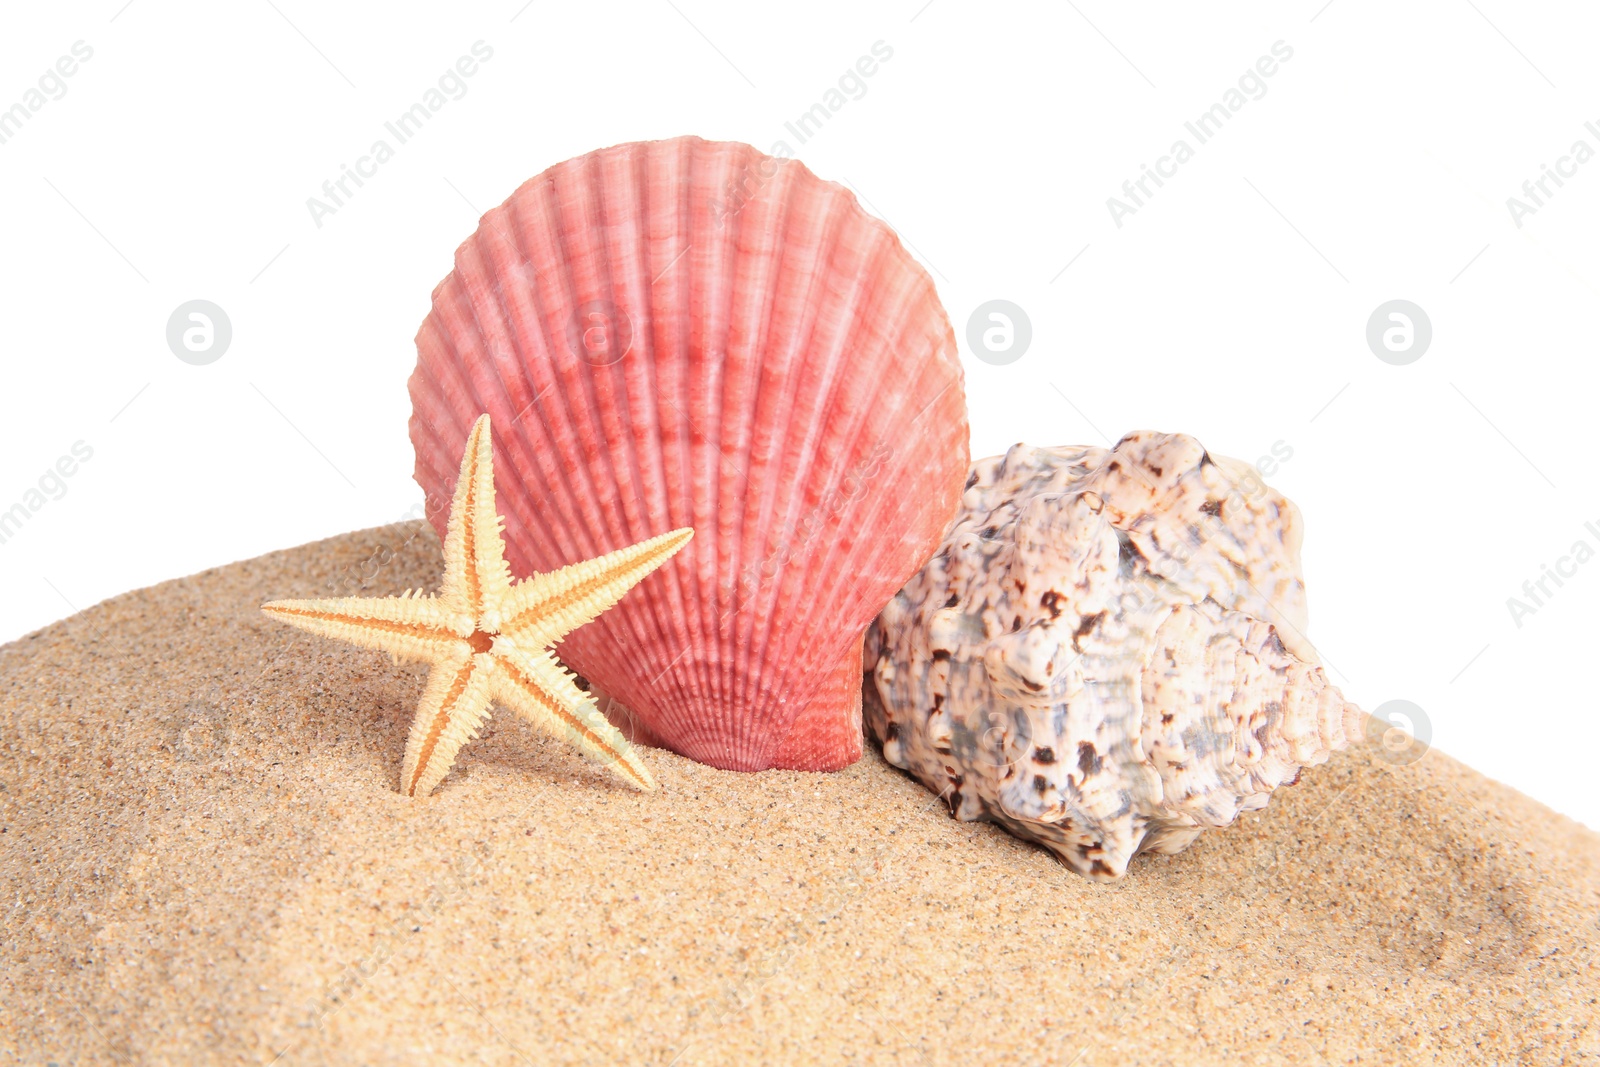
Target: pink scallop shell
<point>688,333</point>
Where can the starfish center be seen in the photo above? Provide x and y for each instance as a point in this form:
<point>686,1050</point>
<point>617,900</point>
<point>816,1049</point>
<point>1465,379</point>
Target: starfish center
<point>481,641</point>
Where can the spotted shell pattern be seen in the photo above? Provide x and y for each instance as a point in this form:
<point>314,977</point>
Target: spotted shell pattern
<point>1107,653</point>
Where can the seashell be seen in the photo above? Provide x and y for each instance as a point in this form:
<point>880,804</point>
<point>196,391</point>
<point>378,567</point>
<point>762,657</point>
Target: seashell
<point>1107,653</point>
<point>694,334</point>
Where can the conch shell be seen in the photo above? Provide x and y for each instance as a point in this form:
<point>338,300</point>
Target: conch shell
<point>1107,653</point>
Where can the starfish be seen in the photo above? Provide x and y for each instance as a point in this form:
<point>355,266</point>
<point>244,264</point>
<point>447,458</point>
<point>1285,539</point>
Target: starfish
<point>487,636</point>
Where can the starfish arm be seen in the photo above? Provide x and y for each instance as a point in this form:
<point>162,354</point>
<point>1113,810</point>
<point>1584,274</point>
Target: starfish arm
<point>476,572</point>
<point>537,687</point>
<point>408,627</point>
<point>454,705</point>
<point>547,607</point>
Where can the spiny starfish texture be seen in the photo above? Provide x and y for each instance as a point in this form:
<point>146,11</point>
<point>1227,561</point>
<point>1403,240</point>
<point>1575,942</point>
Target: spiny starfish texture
<point>487,636</point>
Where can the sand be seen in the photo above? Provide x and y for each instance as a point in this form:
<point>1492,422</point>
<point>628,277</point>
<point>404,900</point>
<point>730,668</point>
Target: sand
<point>203,858</point>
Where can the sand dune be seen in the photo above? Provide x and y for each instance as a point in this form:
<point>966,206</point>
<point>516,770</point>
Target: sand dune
<point>204,859</point>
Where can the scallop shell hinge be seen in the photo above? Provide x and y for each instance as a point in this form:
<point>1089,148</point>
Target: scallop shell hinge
<point>1107,653</point>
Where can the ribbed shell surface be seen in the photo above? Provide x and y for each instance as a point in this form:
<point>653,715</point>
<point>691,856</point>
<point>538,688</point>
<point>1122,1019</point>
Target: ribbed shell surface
<point>688,333</point>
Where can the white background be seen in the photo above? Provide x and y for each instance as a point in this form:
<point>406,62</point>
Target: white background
<point>1232,306</point>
